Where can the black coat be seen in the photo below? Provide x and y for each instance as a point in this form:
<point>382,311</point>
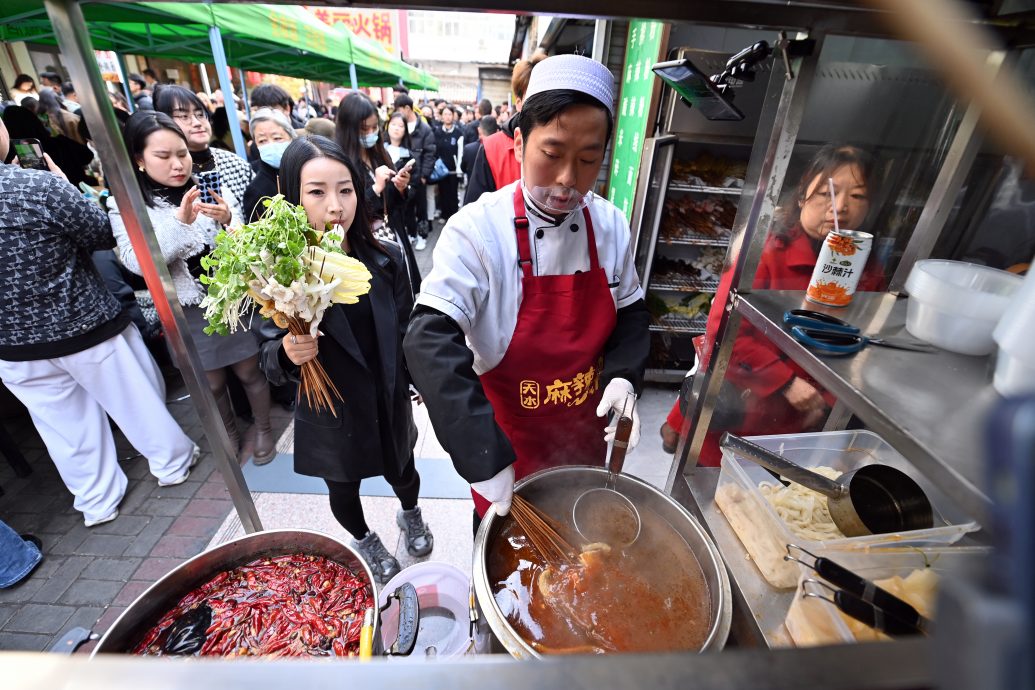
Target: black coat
<point>468,156</point>
<point>348,447</point>
<point>423,147</point>
<point>263,185</point>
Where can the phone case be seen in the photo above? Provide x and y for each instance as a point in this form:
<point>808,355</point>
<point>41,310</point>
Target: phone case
<point>208,182</point>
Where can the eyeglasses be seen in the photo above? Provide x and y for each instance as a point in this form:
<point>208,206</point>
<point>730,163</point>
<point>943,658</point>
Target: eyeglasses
<point>184,116</point>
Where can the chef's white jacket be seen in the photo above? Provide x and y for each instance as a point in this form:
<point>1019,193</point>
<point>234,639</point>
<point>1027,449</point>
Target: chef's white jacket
<point>476,279</point>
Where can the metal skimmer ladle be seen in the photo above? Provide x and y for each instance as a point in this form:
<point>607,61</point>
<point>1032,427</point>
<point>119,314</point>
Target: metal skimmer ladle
<point>873,499</point>
<point>604,514</point>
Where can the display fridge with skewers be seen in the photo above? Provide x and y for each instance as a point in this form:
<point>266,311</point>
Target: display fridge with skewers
<point>691,178</point>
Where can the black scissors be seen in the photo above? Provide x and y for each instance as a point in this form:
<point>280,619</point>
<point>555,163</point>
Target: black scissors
<point>831,335</point>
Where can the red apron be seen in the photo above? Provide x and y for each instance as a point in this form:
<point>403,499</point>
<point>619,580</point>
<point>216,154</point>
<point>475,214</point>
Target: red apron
<point>546,389</point>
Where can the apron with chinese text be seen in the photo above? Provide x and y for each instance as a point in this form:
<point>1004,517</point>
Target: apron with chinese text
<point>546,389</point>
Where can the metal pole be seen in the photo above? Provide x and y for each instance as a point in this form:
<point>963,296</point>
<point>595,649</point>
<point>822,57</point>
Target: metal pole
<point>74,41</point>
<point>782,112</point>
<point>203,68</point>
<point>953,173</point>
<point>352,76</point>
<point>215,37</point>
<point>601,40</point>
<point>244,97</point>
<point>123,79</point>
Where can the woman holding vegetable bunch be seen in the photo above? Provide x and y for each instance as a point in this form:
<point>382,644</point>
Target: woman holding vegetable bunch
<point>186,229</point>
<point>371,433</point>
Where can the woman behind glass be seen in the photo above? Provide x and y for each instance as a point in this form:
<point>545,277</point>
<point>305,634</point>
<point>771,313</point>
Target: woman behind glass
<point>186,228</point>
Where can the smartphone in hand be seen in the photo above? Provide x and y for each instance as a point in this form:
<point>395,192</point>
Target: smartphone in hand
<point>30,154</point>
<point>208,182</point>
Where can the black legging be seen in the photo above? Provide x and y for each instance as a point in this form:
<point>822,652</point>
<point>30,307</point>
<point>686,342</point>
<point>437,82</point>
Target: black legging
<point>348,509</point>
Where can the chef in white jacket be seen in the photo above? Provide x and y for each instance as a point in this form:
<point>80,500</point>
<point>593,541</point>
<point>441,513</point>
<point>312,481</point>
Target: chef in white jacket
<point>531,330</point>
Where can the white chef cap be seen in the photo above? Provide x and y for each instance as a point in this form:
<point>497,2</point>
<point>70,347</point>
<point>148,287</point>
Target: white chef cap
<point>576,73</point>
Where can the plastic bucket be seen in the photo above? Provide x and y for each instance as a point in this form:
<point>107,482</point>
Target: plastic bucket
<point>444,594</point>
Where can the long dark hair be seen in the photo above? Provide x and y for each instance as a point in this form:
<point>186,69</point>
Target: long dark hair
<point>139,127</point>
<point>406,141</point>
<point>304,149</point>
<point>51,106</point>
<point>352,111</point>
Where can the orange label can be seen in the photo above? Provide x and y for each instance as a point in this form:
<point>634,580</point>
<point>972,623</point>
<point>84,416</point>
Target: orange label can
<point>842,258</point>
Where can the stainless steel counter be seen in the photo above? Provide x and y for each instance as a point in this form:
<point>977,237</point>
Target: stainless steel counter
<point>858,667</point>
<point>930,406</point>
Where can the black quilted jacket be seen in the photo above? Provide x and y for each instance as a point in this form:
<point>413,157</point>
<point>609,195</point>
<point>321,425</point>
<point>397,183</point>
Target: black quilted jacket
<point>53,302</point>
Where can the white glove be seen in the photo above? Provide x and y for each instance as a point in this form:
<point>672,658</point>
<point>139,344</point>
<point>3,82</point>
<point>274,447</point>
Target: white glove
<point>619,395</point>
<point>499,490</point>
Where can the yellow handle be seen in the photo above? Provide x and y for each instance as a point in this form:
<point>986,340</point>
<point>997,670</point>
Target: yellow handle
<point>366,636</point>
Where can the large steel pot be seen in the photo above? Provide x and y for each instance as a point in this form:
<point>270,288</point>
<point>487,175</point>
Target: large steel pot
<point>163,595</point>
<point>576,479</point>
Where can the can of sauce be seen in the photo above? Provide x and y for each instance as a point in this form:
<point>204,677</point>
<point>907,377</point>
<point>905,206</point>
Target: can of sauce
<point>842,258</point>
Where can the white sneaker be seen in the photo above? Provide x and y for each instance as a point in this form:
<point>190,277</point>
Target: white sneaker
<point>182,478</point>
<point>100,521</point>
<point>421,245</point>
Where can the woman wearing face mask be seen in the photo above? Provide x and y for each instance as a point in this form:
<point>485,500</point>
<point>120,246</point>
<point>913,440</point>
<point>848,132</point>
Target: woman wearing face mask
<point>357,129</point>
<point>360,347</point>
<point>532,326</point>
<point>765,393</point>
<point>193,119</point>
<point>271,132</point>
<point>186,229</point>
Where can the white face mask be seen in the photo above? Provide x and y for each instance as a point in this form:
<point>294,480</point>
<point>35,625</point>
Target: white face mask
<point>556,200</point>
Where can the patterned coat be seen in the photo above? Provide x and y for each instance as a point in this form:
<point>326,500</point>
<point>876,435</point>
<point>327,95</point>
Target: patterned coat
<point>52,291</point>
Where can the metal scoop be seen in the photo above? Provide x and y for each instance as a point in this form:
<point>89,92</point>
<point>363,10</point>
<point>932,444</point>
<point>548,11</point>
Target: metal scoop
<point>874,499</point>
<point>605,515</point>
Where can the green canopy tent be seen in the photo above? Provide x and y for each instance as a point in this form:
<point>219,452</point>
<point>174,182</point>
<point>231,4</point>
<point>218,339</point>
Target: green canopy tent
<point>283,40</point>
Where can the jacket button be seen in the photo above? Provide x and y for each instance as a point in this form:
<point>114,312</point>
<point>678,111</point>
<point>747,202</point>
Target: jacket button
<point>574,228</point>
<point>539,234</point>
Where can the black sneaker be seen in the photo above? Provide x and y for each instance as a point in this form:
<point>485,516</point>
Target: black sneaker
<point>419,540</point>
<point>382,563</point>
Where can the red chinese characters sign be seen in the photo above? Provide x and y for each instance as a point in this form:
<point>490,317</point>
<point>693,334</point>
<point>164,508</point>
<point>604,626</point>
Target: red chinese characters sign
<point>379,25</point>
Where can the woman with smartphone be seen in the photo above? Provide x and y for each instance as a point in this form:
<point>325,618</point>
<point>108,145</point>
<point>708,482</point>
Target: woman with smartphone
<point>386,188</point>
<point>193,119</point>
<point>186,225</point>
<point>372,433</point>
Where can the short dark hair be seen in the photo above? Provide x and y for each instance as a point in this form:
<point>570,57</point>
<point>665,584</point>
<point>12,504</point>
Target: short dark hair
<point>403,101</point>
<point>399,88</point>
<point>151,73</point>
<point>139,127</point>
<point>52,77</point>
<point>138,80</point>
<point>67,88</point>
<point>542,108</point>
<point>170,97</point>
<point>488,125</point>
<point>304,149</point>
<point>23,79</point>
<point>484,107</point>
<point>270,96</point>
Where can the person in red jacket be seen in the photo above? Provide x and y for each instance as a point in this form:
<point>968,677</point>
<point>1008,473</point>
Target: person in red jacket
<point>777,396</point>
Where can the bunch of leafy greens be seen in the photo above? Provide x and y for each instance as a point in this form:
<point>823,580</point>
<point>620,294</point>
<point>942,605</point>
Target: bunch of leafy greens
<point>271,246</point>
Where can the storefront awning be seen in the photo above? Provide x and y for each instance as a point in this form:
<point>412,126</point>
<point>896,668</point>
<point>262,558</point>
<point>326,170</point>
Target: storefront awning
<point>272,39</point>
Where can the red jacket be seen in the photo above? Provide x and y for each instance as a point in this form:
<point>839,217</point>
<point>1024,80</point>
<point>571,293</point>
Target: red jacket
<point>757,367</point>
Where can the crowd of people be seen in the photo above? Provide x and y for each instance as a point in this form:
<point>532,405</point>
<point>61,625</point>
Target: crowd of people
<point>75,348</point>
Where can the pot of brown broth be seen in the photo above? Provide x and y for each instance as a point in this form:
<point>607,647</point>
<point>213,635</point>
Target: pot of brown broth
<point>667,591</point>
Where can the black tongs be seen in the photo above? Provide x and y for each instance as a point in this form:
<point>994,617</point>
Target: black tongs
<point>861,598</point>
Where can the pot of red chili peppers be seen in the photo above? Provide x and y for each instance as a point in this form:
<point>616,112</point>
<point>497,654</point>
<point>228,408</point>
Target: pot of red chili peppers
<point>279,593</point>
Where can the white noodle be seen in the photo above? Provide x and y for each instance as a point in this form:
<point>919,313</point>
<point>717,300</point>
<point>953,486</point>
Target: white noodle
<point>804,510</point>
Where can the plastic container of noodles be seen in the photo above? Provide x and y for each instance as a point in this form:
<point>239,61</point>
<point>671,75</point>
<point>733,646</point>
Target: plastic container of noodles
<point>765,534</point>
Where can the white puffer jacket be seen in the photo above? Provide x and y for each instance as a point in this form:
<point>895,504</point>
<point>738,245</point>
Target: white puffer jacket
<point>178,242</point>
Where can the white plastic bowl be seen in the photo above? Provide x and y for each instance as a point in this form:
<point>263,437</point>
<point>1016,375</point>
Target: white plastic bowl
<point>956,305</point>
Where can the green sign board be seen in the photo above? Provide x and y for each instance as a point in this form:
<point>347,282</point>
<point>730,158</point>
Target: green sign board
<point>642,50</point>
